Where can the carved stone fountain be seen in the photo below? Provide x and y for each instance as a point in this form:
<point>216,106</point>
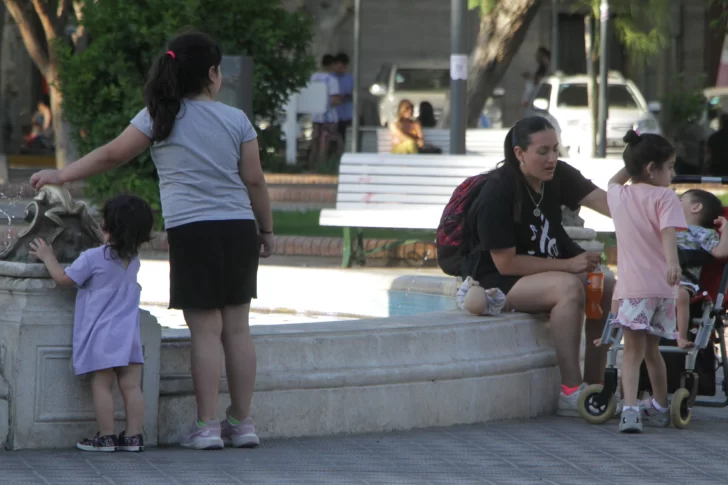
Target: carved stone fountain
<point>42,403</point>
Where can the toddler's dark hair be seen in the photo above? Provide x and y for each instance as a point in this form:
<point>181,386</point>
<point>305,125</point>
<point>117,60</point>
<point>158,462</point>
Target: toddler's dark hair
<point>712,206</point>
<point>128,220</point>
<point>643,149</point>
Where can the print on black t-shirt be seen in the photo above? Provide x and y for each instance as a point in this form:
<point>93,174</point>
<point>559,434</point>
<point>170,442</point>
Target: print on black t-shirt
<point>543,244</point>
<point>543,236</point>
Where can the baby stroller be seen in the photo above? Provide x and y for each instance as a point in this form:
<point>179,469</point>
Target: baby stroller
<point>690,372</point>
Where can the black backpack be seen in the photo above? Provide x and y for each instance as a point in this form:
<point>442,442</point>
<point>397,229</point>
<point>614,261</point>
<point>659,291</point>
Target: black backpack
<point>453,241</point>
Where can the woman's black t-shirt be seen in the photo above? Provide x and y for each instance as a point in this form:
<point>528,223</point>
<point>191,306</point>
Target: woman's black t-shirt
<point>543,236</point>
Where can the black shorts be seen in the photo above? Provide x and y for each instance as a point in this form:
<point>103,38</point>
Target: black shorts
<point>213,264</point>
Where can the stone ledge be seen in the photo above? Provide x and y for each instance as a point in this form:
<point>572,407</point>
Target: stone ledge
<point>436,369</point>
<point>287,245</point>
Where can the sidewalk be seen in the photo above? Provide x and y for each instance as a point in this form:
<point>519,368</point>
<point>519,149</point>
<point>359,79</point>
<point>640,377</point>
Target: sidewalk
<point>563,451</point>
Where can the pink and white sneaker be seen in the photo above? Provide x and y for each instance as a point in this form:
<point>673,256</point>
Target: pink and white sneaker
<point>205,437</point>
<point>240,435</point>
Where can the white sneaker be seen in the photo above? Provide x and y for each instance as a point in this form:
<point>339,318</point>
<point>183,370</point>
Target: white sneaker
<point>205,437</point>
<point>654,418</point>
<point>567,404</point>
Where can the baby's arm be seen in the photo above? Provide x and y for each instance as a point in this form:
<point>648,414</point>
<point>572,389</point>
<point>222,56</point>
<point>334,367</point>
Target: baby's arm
<point>44,252</point>
<point>721,250</point>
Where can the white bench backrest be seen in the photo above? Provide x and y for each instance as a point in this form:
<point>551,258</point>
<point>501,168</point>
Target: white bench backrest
<point>388,182</point>
<point>368,181</point>
<point>488,142</point>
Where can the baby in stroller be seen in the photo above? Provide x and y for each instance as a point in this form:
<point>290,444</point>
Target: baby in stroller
<point>703,214</point>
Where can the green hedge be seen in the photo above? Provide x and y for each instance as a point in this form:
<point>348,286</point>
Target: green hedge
<point>102,86</point>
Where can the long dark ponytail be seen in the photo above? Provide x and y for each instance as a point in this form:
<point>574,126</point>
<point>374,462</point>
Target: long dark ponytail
<point>182,71</point>
<point>510,168</point>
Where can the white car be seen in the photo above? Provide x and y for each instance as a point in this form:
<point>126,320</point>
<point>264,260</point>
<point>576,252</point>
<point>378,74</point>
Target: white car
<point>565,99</point>
<point>422,81</point>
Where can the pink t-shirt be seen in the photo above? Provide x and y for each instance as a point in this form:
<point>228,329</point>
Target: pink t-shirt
<point>640,212</point>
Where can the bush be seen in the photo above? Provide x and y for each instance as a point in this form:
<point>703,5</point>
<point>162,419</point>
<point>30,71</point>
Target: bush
<point>102,86</point>
<point>683,104</point>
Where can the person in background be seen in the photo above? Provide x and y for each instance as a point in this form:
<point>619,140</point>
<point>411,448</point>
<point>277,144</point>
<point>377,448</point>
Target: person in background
<point>344,109</point>
<point>528,87</point>
<point>43,117</point>
<point>716,150</point>
<point>407,137</point>
<point>543,58</point>
<point>427,115</point>
<point>326,124</point>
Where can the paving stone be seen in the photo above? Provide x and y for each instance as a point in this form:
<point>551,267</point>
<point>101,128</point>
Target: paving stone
<point>551,450</point>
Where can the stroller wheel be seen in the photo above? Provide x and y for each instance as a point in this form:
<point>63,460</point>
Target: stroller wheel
<point>680,411</point>
<point>594,407</point>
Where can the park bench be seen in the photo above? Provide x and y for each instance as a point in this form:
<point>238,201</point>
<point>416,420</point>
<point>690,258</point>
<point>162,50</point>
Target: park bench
<point>488,142</point>
<point>394,192</point>
<point>410,192</point>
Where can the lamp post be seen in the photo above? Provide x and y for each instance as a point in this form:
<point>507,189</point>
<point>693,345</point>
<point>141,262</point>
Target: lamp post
<point>603,77</point>
<point>554,35</point>
<point>355,75</point>
<point>458,76</point>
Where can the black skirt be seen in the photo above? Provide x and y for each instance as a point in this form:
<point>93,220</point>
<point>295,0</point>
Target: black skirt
<point>213,264</point>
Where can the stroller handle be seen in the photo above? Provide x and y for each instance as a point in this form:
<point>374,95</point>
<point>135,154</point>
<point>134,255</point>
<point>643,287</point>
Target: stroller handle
<point>699,179</point>
<point>720,300</point>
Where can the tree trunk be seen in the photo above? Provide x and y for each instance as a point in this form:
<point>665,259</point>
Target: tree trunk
<point>591,71</point>
<point>328,17</point>
<point>60,135</point>
<point>501,34</point>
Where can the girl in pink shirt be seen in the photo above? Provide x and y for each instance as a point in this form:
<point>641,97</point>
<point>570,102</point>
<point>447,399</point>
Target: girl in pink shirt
<point>646,216</point>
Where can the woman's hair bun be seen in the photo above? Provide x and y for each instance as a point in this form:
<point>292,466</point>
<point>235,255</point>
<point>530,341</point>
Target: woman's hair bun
<point>632,137</point>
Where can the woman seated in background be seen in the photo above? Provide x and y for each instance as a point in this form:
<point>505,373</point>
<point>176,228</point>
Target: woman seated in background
<point>407,137</point>
<point>427,115</point>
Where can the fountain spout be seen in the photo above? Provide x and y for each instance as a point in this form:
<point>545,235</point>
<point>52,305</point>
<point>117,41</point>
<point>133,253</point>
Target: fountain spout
<point>61,222</point>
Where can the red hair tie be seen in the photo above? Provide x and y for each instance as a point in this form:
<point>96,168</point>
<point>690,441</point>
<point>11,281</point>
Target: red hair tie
<point>172,54</point>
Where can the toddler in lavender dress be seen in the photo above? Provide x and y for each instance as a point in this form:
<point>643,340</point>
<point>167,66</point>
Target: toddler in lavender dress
<point>106,339</point>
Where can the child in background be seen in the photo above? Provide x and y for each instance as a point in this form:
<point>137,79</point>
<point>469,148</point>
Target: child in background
<point>106,336</point>
<point>703,213</point>
<point>647,216</point>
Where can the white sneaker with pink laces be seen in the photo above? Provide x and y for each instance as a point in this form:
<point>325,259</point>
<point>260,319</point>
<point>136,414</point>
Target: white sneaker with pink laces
<point>241,435</point>
<point>205,437</point>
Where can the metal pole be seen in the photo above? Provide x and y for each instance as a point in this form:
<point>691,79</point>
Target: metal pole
<point>554,35</point>
<point>458,77</point>
<point>603,79</point>
<point>355,75</point>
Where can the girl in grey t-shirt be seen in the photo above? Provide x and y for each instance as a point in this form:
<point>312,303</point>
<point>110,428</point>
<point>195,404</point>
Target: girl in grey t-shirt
<point>213,192</point>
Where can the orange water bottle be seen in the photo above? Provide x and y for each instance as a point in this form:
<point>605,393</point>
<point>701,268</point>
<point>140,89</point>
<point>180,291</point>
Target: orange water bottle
<point>594,293</point>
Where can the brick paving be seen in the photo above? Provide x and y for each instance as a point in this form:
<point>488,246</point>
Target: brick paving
<point>294,246</point>
<point>551,450</point>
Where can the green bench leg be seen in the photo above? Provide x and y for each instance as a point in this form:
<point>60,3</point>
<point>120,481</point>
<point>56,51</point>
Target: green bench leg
<point>353,247</point>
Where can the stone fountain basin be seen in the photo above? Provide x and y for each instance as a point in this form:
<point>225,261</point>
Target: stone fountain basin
<point>42,403</point>
<point>377,375</point>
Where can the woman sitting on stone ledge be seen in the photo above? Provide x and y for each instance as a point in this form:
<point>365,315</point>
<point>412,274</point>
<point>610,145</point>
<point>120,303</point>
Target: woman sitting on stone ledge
<point>525,251</point>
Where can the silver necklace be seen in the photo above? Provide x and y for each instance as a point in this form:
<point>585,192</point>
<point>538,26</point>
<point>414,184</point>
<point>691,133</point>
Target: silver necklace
<point>536,210</point>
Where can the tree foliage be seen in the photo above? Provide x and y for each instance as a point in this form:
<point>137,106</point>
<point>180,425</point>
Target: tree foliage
<point>102,86</point>
<point>485,6</point>
<point>642,27</point>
